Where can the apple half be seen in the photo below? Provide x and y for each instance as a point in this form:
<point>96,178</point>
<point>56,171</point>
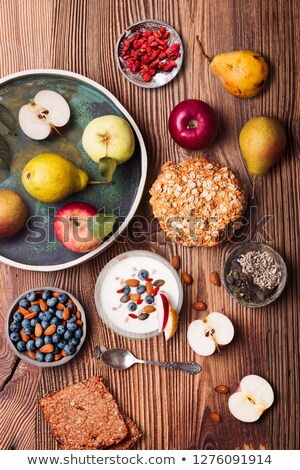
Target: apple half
<point>205,336</point>
<point>45,113</point>
<point>168,317</point>
<point>251,398</point>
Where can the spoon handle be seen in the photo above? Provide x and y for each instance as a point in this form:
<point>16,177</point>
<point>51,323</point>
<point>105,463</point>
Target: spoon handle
<point>188,367</point>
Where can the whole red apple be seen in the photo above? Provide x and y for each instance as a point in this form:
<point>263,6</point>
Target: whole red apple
<point>71,227</point>
<point>193,124</point>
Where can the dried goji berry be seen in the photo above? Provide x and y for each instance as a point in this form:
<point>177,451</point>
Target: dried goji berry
<point>152,71</point>
<point>147,77</point>
<point>173,49</point>
<point>162,55</point>
<point>132,315</point>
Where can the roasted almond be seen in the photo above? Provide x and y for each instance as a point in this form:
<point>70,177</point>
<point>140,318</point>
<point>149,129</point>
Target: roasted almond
<point>50,330</point>
<point>175,262</point>
<point>24,336</point>
<point>149,309</point>
<point>47,348</point>
<point>23,311</point>
<point>78,315</point>
<point>135,297</point>
<point>38,330</point>
<point>56,294</point>
<point>39,292</point>
<point>43,305</point>
<point>79,323</point>
<point>187,278</point>
<point>63,353</point>
<point>57,357</point>
<point>60,306</point>
<point>149,287</point>
<point>64,323</point>
<point>132,282</point>
<point>199,306</point>
<point>30,315</point>
<point>214,279</point>
<point>66,313</point>
<point>31,354</point>
<point>34,302</point>
<point>214,417</point>
<point>221,389</point>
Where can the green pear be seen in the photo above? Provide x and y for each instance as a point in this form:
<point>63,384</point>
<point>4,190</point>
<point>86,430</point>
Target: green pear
<point>243,73</point>
<point>262,142</point>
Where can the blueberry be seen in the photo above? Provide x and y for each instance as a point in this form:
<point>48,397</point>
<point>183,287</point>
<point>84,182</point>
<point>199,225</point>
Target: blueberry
<point>39,342</point>
<point>21,346</point>
<point>59,314</point>
<point>41,315</point>
<point>78,333</point>
<point>132,306</point>
<point>61,329</point>
<point>28,330</point>
<point>74,342</point>
<point>26,324</point>
<point>35,308</point>
<point>46,295</point>
<point>71,307</point>
<point>15,326</point>
<point>63,298</point>
<point>72,319</point>
<point>143,274</point>
<point>56,349</point>
<point>49,357</point>
<point>62,343</point>
<point>32,296</point>
<point>48,340</point>
<point>55,321</point>
<point>15,337</point>
<point>149,299</point>
<point>126,290</point>
<point>24,303</point>
<point>18,316</point>
<point>45,324</point>
<point>69,349</point>
<point>51,310</point>
<point>30,346</point>
<point>71,326</point>
<point>56,338</point>
<point>40,356</point>
<point>140,289</point>
<point>34,321</point>
<point>47,316</point>
<point>52,302</point>
<point>68,334</point>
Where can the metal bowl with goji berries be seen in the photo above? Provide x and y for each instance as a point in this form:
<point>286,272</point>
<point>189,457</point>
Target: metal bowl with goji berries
<point>149,53</point>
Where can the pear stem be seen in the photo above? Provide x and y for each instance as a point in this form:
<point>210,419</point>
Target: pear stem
<point>100,182</point>
<point>253,188</point>
<point>202,50</point>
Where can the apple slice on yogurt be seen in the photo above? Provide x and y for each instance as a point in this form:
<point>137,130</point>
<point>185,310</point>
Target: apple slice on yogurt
<point>46,112</point>
<point>205,336</point>
<point>168,317</point>
<point>251,398</point>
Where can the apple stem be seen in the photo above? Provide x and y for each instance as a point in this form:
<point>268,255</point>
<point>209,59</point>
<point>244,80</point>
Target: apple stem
<point>253,188</point>
<point>202,50</point>
<point>55,129</point>
<point>100,182</point>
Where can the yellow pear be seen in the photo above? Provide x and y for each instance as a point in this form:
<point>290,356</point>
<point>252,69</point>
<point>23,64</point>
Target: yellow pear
<point>51,178</point>
<point>262,142</point>
<point>13,213</point>
<point>243,73</point>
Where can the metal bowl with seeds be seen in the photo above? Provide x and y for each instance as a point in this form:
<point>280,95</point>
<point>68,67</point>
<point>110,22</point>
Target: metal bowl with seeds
<point>254,274</point>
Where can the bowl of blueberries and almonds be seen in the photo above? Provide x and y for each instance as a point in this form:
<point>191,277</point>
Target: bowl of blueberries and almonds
<point>46,326</point>
<point>254,274</point>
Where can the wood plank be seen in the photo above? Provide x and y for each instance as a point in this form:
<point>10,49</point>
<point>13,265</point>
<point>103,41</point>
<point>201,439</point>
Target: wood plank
<point>172,409</point>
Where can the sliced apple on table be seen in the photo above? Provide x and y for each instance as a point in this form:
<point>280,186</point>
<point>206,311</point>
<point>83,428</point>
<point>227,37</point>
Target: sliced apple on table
<point>205,336</point>
<point>109,141</point>
<point>251,398</point>
<point>80,228</point>
<point>168,317</point>
<point>46,112</point>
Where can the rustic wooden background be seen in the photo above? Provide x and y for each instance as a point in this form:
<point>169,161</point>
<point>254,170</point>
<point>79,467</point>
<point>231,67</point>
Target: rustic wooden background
<point>171,408</point>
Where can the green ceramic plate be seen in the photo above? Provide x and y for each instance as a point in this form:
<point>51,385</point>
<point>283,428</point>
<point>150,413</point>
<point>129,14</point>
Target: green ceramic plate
<point>35,247</point>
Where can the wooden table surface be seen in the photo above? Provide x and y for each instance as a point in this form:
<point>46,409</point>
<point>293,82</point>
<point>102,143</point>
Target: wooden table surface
<point>171,408</point>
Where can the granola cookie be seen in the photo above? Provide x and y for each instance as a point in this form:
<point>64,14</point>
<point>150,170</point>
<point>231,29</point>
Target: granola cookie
<point>197,203</point>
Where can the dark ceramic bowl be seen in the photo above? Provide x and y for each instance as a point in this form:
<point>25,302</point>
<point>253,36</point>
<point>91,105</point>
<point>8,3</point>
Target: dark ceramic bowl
<point>254,246</point>
<point>23,355</point>
<point>160,78</point>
